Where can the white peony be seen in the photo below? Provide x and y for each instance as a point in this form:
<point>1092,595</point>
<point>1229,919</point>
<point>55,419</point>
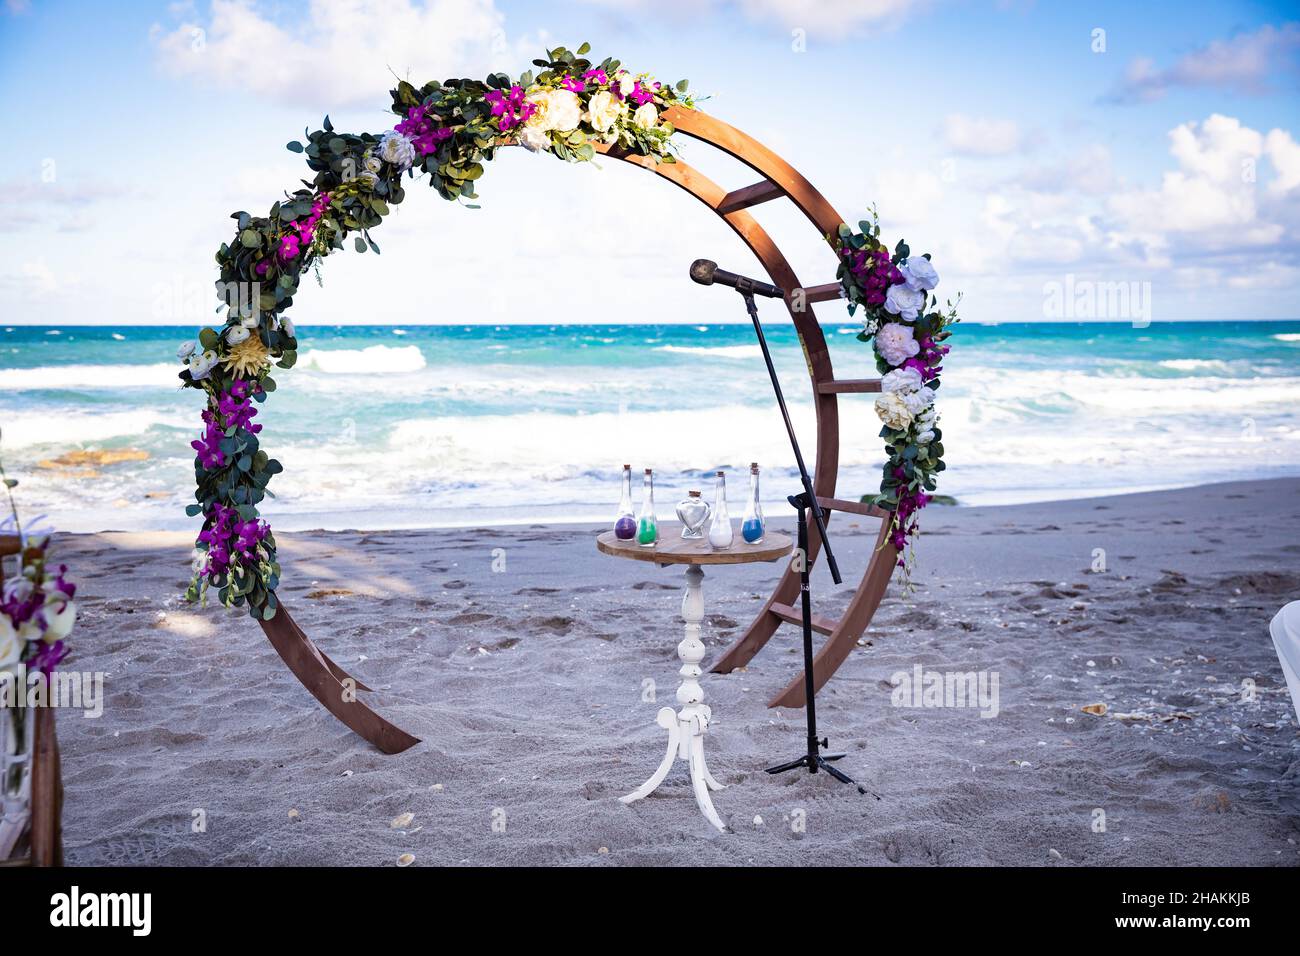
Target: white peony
<point>396,149</point>
<point>566,111</point>
<point>626,84</point>
<point>896,343</point>
<point>919,274</point>
<point>900,300</point>
<point>11,647</point>
<point>186,350</point>
<point>901,380</point>
<point>236,334</point>
<point>603,110</point>
<point>535,138</point>
<point>893,411</point>
<point>925,437</point>
<point>646,116</point>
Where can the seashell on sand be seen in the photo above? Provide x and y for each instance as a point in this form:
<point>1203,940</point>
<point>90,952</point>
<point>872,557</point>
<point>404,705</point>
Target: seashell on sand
<point>402,821</point>
<point>406,859</point>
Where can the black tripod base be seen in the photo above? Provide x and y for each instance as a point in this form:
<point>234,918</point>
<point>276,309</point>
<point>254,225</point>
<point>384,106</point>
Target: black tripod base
<point>815,762</point>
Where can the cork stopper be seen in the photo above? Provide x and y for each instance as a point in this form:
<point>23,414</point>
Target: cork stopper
<point>693,494</point>
<point>649,471</point>
<point>720,475</point>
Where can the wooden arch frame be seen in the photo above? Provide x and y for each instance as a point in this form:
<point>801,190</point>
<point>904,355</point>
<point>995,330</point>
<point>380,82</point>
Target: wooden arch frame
<point>336,690</point>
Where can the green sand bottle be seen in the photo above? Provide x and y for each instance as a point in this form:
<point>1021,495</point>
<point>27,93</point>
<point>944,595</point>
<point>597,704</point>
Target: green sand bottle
<point>647,528</point>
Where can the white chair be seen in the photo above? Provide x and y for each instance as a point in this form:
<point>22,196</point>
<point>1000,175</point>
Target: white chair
<point>1285,629</point>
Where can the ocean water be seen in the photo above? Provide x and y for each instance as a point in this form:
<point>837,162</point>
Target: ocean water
<point>382,426</point>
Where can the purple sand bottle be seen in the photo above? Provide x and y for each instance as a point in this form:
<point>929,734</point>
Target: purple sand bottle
<point>647,528</point>
<point>625,521</point>
<point>752,525</point>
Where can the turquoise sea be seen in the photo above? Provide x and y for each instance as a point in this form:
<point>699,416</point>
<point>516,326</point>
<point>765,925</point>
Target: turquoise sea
<point>382,426</point>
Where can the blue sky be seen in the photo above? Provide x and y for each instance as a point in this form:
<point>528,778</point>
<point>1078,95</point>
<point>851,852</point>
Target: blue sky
<point>995,135</point>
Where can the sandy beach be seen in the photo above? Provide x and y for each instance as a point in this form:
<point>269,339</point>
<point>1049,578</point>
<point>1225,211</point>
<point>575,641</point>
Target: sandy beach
<point>526,685</point>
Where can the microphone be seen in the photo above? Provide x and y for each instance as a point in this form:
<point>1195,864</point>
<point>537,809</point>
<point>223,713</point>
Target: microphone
<point>706,272</point>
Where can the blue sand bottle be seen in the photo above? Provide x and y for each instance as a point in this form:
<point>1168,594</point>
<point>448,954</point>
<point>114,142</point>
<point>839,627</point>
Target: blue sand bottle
<point>752,525</point>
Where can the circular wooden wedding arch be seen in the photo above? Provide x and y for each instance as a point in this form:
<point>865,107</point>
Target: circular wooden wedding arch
<point>336,689</point>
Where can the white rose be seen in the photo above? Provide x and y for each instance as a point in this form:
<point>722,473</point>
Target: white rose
<point>566,110</point>
<point>186,350</point>
<point>901,380</point>
<point>603,110</point>
<point>893,411</point>
<point>11,648</point>
<point>627,84</point>
<point>925,437</point>
<point>900,300</point>
<point>236,334</point>
<point>396,149</point>
<point>646,116</point>
<point>535,139</point>
<point>58,625</point>
<point>919,274</point>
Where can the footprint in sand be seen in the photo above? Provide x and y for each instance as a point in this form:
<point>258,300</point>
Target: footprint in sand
<point>319,593</point>
<point>473,617</point>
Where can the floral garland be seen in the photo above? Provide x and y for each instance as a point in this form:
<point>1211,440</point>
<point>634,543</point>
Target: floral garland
<point>37,610</point>
<point>447,131</point>
<point>902,318</point>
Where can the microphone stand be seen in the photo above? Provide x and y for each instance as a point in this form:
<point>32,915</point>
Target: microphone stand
<point>813,758</point>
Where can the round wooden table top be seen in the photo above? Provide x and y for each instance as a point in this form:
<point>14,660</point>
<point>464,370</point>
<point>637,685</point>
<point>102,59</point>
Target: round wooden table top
<point>671,549</point>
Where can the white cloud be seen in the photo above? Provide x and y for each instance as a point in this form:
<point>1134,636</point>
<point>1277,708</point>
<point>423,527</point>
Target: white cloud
<point>343,53</point>
<point>830,17</point>
<point>1284,153</point>
<point>1242,64</point>
<point>1226,215</point>
<point>978,136</point>
<point>1088,170</point>
<point>1213,189</point>
<point>31,202</point>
